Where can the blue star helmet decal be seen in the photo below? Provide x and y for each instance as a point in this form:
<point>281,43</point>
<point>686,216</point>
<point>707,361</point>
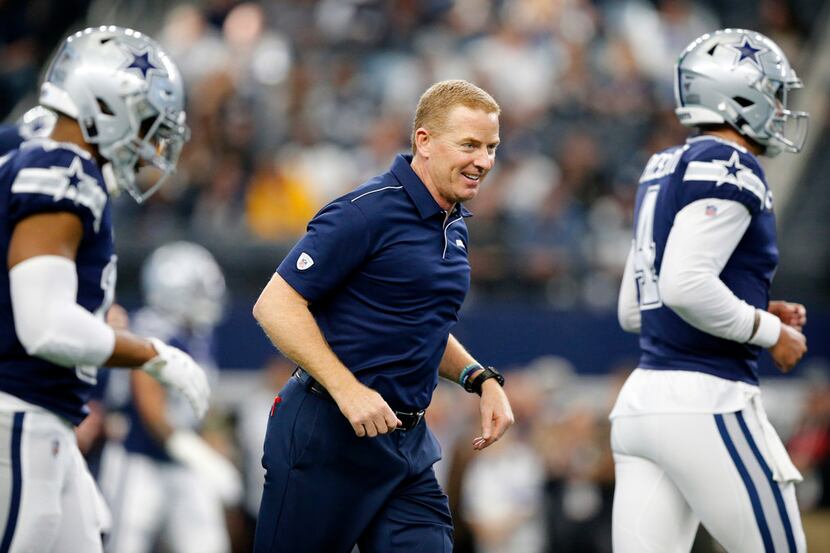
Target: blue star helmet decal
<point>749,52</point>
<point>142,63</point>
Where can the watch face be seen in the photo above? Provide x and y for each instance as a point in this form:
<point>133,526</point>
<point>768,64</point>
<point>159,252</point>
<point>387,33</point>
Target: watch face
<point>486,374</point>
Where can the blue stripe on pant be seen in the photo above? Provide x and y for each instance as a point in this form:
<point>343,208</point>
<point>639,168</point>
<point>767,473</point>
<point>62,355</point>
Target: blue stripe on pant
<point>776,491</point>
<point>16,483</point>
<point>764,493</point>
<point>327,490</point>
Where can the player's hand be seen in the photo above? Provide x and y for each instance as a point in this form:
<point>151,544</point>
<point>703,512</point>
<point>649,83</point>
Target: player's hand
<point>366,410</point>
<point>792,314</point>
<point>176,369</point>
<point>789,348</point>
<point>496,414</point>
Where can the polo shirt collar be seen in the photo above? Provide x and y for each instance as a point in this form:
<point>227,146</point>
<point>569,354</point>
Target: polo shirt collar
<point>417,190</point>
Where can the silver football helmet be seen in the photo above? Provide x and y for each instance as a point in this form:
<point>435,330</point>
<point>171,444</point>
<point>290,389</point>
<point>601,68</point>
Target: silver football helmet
<point>183,281</point>
<point>741,78</point>
<point>128,98</point>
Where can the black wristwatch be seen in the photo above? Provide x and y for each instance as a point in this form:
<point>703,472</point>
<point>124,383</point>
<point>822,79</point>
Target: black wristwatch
<point>473,385</point>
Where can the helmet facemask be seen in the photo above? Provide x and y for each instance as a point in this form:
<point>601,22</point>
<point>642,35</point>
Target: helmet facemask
<point>153,150</point>
<point>786,128</point>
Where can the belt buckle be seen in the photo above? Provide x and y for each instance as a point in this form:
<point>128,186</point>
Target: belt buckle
<point>310,383</point>
<point>409,420</point>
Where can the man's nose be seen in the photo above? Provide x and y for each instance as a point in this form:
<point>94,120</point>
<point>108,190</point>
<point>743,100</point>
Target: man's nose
<point>484,159</point>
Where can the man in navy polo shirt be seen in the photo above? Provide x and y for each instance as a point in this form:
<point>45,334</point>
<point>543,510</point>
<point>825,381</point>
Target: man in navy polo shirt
<point>364,304</point>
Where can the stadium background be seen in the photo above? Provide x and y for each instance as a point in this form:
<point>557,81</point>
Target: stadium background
<point>294,102</point>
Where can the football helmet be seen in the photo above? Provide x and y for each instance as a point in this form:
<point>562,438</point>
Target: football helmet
<point>183,281</point>
<point>128,98</point>
<point>741,78</point>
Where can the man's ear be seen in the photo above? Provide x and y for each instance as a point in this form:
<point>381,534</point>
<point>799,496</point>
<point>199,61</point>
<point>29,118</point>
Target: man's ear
<point>423,142</point>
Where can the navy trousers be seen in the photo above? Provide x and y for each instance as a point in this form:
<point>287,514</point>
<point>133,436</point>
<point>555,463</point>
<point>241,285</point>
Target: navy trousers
<point>327,490</point>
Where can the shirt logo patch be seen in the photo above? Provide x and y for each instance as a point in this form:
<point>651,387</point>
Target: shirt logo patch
<point>304,261</point>
<point>711,210</point>
<point>460,244</point>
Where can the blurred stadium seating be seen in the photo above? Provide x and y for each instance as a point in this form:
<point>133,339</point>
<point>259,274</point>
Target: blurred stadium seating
<point>293,102</point>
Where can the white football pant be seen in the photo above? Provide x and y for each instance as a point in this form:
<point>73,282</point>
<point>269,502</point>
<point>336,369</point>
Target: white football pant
<point>48,500</point>
<point>674,471</point>
<point>152,500</point>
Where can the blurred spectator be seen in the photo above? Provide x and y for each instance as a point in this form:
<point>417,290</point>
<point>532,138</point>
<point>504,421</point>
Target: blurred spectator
<point>579,484</point>
<point>502,488</point>
<point>28,33</point>
<point>809,447</point>
<point>291,103</point>
<point>453,430</point>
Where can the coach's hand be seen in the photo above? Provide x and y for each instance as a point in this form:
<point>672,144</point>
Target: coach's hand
<point>789,348</point>
<point>365,409</point>
<point>793,314</point>
<point>496,414</point>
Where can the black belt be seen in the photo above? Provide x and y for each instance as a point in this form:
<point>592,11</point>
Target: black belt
<point>409,420</point>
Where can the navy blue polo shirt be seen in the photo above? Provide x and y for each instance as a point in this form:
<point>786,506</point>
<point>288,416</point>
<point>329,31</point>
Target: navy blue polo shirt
<point>385,271</point>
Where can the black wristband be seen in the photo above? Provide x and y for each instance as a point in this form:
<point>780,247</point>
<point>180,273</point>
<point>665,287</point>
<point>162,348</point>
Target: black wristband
<point>473,385</point>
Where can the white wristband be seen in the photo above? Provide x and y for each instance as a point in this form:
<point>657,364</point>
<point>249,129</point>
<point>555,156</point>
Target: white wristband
<point>769,329</point>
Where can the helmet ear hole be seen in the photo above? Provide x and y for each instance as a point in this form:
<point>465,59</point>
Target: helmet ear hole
<point>104,107</point>
<point>743,102</point>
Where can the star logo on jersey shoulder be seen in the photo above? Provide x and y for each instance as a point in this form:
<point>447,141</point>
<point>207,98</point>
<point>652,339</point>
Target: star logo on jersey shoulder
<point>82,189</point>
<point>747,51</point>
<point>731,170</point>
<point>75,179</point>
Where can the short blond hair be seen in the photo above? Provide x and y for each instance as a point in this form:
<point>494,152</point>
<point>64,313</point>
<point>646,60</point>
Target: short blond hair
<point>439,99</point>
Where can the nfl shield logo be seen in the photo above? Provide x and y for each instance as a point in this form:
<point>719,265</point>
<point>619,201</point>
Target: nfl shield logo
<point>711,210</point>
<point>304,261</point>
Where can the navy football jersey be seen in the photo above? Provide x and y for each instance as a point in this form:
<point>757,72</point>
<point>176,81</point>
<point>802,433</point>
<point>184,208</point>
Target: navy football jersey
<point>705,167</point>
<point>43,176</point>
<point>10,138</point>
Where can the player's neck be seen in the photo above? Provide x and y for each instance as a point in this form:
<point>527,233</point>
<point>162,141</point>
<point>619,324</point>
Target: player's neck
<point>730,134</point>
<point>67,130</point>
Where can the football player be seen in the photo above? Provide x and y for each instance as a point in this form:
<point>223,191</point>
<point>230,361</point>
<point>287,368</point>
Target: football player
<point>117,104</point>
<point>691,441</point>
<point>164,482</point>
<point>690,437</point>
